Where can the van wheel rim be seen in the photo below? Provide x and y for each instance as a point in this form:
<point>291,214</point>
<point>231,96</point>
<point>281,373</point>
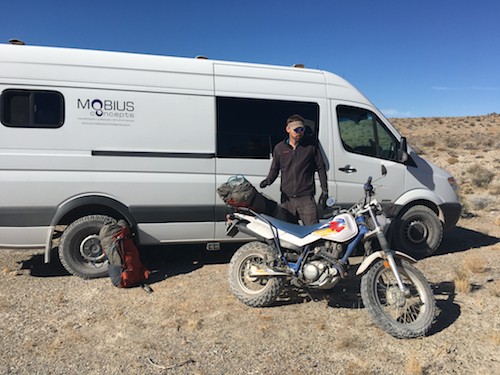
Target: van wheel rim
<point>417,232</point>
<point>90,249</point>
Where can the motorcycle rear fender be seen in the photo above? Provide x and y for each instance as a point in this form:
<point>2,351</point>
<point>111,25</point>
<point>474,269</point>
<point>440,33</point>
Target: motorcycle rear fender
<point>380,255</point>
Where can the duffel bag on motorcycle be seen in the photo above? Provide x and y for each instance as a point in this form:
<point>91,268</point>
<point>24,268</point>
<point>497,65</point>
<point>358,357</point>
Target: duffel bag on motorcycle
<point>239,192</point>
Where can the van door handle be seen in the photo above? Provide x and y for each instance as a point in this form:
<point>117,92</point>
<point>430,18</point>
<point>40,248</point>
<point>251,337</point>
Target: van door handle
<point>348,169</point>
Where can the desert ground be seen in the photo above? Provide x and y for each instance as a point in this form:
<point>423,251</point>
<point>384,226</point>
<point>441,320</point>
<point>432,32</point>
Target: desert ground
<point>53,323</point>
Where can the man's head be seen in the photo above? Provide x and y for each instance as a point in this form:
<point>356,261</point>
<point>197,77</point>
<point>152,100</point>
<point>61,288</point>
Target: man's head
<point>295,128</point>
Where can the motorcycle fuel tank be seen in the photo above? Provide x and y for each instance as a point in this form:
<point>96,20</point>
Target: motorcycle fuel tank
<point>339,229</point>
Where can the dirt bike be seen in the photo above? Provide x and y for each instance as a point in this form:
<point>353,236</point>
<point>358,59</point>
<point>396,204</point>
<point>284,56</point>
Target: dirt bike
<point>396,295</point>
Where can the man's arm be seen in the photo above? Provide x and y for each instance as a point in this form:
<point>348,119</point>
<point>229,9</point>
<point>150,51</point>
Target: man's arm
<point>321,168</point>
<point>273,171</point>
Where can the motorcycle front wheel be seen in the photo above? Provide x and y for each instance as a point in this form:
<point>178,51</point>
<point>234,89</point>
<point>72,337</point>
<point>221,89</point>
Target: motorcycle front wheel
<point>399,315</point>
<point>254,291</point>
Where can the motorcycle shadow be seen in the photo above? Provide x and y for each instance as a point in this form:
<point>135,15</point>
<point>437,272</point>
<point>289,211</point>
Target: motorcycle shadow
<point>346,295</point>
<point>448,310</point>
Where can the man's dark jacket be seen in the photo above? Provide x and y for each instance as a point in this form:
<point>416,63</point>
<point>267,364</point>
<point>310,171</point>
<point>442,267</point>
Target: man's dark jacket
<point>297,167</point>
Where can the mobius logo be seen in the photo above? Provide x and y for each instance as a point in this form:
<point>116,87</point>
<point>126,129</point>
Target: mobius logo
<point>107,108</point>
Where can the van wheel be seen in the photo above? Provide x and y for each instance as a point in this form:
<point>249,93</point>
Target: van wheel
<point>418,232</point>
<point>80,248</point>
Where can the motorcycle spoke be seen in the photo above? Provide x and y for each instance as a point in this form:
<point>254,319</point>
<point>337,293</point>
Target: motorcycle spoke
<point>252,283</point>
<point>404,310</point>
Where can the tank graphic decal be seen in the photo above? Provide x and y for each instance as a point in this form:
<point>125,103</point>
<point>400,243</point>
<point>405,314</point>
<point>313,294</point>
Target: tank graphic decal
<point>334,226</point>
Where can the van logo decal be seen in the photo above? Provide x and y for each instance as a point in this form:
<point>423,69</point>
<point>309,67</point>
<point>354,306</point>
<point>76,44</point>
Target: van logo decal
<point>106,111</point>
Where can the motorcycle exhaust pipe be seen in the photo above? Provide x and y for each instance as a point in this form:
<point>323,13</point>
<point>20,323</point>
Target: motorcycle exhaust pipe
<point>265,272</point>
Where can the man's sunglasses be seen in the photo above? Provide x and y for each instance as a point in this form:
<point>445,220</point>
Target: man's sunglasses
<point>299,130</point>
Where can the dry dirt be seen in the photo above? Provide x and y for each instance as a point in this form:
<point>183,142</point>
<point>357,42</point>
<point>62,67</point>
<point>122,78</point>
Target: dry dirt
<point>53,323</point>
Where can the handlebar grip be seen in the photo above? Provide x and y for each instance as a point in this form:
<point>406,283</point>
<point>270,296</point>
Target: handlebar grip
<point>368,186</point>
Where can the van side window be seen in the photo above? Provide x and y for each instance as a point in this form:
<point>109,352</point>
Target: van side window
<point>32,109</point>
<point>362,132</point>
<point>250,128</point>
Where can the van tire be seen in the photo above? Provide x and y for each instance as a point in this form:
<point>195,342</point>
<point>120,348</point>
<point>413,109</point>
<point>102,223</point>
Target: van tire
<point>418,232</point>
<point>80,249</point>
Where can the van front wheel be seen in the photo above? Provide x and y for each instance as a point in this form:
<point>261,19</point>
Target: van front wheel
<point>418,232</point>
<point>80,249</point>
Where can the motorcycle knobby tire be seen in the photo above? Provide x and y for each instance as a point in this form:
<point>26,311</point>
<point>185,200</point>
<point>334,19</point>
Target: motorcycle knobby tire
<point>389,309</point>
<point>254,291</point>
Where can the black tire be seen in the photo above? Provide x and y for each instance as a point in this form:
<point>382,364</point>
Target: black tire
<point>418,232</point>
<point>253,291</point>
<point>400,316</point>
<point>80,249</point>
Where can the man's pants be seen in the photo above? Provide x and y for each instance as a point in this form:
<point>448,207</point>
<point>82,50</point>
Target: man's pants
<point>302,207</point>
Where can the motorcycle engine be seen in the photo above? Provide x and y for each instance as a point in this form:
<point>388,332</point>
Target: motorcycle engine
<point>320,271</point>
<point>320,274</point>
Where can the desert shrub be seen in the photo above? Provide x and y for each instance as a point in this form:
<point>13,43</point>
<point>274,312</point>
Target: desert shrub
<point>480,202</point>
<point>429,143</point>
<point>452,142</point>
<point>452,160</point>
<point>462,280</point>
<point>495,190</point>
<point>480,176</point>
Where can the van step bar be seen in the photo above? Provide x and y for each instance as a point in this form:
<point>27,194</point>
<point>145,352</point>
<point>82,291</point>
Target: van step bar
<point>213,246</point>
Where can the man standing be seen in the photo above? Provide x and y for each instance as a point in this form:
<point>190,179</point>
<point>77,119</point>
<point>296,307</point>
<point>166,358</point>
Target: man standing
<point>298,158</point>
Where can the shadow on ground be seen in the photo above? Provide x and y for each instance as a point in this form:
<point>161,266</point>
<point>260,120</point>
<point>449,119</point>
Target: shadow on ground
<point>163,261</point>
<point>462,239</point>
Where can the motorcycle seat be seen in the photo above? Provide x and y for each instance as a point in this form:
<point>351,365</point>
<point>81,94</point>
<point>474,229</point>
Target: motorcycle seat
<point>297,230</point>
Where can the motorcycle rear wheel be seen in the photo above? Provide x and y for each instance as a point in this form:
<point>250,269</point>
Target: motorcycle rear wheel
<point>400,316</point>
<point>254,291</point>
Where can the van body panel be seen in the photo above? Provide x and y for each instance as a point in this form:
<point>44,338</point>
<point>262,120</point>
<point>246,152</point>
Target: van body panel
<point>23,237</point>
<point>261,81</point>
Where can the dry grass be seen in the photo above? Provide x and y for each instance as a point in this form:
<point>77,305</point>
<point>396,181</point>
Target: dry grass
<point>475,264</point>
<point>462,281</point>
<point>495,337</point>
<point>414,366</point>
<point>471,265</point>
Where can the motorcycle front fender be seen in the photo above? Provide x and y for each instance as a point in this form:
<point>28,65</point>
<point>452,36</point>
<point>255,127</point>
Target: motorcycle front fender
<point>380,255</point>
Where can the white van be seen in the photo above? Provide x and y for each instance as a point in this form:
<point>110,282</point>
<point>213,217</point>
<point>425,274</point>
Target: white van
<point>91,135</point>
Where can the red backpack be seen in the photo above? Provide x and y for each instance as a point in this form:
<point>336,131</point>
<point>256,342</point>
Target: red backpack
<point>125,268</point>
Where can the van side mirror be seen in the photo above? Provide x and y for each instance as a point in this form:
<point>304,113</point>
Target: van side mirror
<point>403,150</point>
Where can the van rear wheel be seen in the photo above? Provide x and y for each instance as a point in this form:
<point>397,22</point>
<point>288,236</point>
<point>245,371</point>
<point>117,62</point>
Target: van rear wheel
<point>418,232</point>
<point>80,249</point>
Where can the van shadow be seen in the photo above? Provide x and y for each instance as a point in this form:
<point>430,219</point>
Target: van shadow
<point>169,261</point>
<point>38,268</point>
<point>461,239</point>
<point>163,261</point>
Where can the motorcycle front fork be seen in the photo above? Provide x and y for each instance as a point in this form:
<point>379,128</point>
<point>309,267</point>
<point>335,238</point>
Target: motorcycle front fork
<point>389,254</point>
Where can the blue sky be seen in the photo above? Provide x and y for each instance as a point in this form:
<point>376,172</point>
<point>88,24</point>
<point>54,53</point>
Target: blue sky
<point>411,58</point>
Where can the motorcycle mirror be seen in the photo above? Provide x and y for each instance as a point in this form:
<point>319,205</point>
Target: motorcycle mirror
<point>330,202</point>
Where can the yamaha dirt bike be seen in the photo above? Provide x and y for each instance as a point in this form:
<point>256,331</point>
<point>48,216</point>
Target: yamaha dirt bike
<point>396,295</point>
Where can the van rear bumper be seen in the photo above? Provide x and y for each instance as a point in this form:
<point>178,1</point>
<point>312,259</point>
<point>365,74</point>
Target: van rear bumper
<point>451,213</point>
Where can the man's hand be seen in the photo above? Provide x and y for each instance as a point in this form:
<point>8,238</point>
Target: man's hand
<point>322,199</point>
<point>264,183</point>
